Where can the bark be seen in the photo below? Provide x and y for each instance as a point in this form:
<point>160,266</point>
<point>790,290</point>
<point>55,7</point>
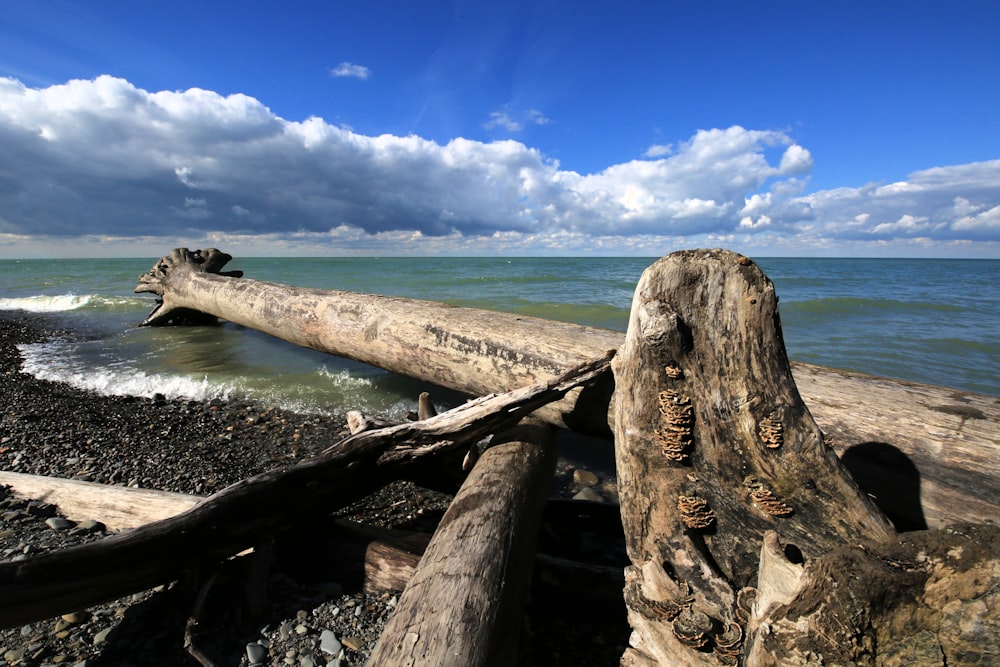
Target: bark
<point>714,447</point>
<point>944,440</point>
<point>241,515</point>
<point>928,598</point>
<point>466,599</point>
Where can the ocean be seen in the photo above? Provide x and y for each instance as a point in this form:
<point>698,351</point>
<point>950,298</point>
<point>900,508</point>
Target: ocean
<point>931,321</point>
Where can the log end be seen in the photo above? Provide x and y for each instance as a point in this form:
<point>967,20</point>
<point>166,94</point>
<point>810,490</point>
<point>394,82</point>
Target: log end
<point>170,270</point>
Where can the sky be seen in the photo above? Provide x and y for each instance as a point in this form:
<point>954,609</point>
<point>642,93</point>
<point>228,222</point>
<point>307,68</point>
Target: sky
<point>516,128</point>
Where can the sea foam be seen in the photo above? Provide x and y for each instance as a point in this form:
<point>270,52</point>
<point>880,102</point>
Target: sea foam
<point>45,303</point>
<point>53,361</point>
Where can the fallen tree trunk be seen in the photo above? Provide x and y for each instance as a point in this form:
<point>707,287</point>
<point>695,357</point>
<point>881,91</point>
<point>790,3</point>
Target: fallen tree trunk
<point>237,517</point>
<point>384,559</point>
<point>465,602</point>
<point>948,438</point>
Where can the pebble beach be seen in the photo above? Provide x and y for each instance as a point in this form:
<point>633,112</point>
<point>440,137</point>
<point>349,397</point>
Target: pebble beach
<point>194,447</point>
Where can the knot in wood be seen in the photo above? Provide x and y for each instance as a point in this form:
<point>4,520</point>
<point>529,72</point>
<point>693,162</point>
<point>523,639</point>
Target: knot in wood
<point>764,499</point>
<point>676,431</point>
<point>692,628</point>
<point>771,431</point>
<point>695,512</point>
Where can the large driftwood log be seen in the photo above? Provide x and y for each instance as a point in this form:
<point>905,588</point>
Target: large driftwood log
<point>237,517</point>
<point>949,436</point>
<point>465,602</point>
<point>460,348</point>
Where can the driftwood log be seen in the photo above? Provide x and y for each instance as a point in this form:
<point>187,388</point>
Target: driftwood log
<point>465,602</point>
<point>928,454</point>
<point>240,516</point>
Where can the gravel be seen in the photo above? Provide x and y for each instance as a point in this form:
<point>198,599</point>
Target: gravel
<point>201,447</point>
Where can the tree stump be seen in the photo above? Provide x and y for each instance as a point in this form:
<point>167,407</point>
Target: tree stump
<point>714,447</point>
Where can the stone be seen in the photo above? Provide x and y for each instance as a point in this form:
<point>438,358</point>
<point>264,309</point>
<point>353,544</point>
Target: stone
<point>353,643</point>
<point>587,493</point>
<point>13,656</point>
<point>102,636</point>
<point>584,477</point>
<point>256,653</point>
<point>328,643</point>
<point>91,526</point>
<point>59,523</point>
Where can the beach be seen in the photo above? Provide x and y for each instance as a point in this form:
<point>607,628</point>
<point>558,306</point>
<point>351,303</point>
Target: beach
<point>200,447</point>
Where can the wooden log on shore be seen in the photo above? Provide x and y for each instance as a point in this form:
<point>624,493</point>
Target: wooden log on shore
<point>928,454</point>
<point>237,517</point>
<point>387,557</point>
<point>465,602</point>
<point>117,507</point>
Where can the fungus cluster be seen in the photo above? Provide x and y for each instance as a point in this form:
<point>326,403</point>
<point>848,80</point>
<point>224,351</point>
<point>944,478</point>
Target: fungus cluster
<point>676,431</point>
<point>765,499</point>
<point>695,512</point>
<point>692,628</point>
<point>771,432</point>
<point>673,371</point>
<point>729,644</point>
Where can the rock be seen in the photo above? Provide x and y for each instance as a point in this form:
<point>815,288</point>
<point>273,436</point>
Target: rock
<point>74,617</point>
<point>353,643</point>
<point>256,653</point>
<point>102,636</point>
<point>587,493</point>
<point>13,656</point>
<point>91,526</point>
<point>584,477</point>
<point>59,523</point>
<point>328,643</point>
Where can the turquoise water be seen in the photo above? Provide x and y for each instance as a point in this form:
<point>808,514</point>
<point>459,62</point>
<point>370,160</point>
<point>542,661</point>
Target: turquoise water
<point>933,321</point>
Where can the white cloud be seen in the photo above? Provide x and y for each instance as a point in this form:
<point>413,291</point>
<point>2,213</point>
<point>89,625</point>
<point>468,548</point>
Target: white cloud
<point>350,70</point>
<point>102,159</point>
<point>503,121</point>
<point>658,150</point>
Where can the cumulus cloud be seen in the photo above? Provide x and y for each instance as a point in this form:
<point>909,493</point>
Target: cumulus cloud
<point>102,159</point>
<point>350,70</point>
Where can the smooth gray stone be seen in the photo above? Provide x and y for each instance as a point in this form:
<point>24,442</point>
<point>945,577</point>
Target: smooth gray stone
<point>329,643</point>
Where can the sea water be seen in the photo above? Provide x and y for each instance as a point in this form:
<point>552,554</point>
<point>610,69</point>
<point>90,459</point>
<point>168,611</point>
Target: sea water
<point>931,321</point>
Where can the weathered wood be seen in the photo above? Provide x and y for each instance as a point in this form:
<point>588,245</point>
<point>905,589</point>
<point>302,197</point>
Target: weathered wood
<point>239,516</point>
<point>465,602</point>
<point>472,351</point>
<point>928,454</point>
<point>714,447</point>
<point>928,598</point>
<point>388,557</point>
<point>117,507</point>
<point>950,436</point>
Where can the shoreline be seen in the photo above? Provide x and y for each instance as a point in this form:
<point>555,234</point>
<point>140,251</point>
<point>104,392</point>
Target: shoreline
<point>199,448</point>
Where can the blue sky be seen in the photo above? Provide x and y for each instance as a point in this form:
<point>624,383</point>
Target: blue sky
<point>773,128</point>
